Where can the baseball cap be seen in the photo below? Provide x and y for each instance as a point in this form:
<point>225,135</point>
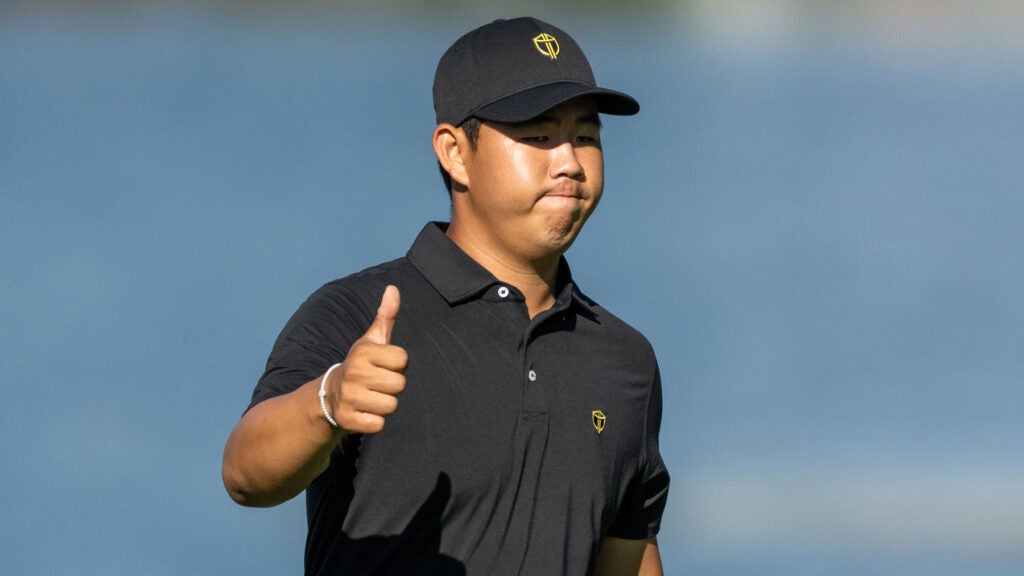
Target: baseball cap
<point>513,70</point>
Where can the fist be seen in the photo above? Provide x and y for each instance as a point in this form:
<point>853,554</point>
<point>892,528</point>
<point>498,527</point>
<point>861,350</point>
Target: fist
<point>363,391</point>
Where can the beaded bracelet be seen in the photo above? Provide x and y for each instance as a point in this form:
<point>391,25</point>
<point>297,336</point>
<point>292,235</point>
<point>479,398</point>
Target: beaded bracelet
<point>323,393</point>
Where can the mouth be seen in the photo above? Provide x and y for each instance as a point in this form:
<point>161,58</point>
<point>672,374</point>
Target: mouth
<point>562,198</point>
<point>567,190</point>
<point>571,205</point>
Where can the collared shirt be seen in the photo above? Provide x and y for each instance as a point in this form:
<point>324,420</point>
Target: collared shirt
<point>518,443</point>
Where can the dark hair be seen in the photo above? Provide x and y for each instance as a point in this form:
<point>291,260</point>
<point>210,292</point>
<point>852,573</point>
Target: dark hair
<point>471,127</point>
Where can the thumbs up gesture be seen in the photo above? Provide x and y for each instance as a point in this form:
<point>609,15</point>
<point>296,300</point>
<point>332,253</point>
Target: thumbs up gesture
<point>364,390</point>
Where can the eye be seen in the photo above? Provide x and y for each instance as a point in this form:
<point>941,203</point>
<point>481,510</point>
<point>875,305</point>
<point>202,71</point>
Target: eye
<point>535,139</point>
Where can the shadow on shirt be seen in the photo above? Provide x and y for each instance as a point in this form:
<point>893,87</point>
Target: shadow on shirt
<point>416,550</point>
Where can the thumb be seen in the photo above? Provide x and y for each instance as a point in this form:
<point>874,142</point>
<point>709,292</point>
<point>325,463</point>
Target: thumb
<point>380,331</point>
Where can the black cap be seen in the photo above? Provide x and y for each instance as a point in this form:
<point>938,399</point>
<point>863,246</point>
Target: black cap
<point>512,71</point>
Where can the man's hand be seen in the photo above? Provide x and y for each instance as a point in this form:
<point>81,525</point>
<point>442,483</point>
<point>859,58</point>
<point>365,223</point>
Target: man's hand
<point>283,443</point>
<point>364,389</point>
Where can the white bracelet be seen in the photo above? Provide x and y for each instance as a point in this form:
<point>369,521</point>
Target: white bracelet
<point>323,403</point>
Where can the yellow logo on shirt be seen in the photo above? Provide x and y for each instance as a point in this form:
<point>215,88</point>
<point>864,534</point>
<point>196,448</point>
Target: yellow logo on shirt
<point>599,420</point>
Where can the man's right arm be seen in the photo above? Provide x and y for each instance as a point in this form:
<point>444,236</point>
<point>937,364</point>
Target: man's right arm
<point>278,448</point>
<point>282,444</point>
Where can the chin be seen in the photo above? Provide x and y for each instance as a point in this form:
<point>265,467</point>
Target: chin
<point>561,238</point>
<point>559,231</point>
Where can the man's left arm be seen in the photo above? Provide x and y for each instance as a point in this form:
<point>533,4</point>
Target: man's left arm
<point>619,557</point>
<point>639,517</point>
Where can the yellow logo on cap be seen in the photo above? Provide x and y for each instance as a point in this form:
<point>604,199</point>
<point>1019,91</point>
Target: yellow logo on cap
<point>599,420</point>
<point>546,45</point>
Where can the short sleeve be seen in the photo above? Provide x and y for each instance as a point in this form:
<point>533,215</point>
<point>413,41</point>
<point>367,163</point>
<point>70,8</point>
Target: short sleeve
<point>317,336</point>
<point>639,516</point>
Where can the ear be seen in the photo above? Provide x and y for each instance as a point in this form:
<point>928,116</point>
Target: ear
<point>450,145</point>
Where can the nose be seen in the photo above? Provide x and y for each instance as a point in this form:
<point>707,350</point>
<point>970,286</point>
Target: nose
<point>564,161</point>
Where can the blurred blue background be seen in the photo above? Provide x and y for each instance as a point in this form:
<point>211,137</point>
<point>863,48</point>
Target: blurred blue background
<point>816,219</point>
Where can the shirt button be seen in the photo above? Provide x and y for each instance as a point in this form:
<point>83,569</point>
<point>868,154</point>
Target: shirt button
<point>532,376</point>
<point>503,291</point>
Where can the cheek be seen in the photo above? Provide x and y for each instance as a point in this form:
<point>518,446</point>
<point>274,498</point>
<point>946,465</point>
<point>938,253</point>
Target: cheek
<point>507,167</point>
<point>596,199</point>
<point>593,167</point>
<point>526,165</point>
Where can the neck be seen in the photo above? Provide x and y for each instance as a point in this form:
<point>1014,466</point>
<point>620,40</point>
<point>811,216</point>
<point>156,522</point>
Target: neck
<point>536,279</point>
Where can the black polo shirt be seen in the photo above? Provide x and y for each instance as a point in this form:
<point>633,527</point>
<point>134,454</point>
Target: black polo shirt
<point>518,444</point>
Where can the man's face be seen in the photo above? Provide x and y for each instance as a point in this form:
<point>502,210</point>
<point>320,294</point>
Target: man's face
<point>532,185</point>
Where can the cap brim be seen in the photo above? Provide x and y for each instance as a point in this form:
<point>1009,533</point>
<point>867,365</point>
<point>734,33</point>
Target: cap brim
<point>528,104</point>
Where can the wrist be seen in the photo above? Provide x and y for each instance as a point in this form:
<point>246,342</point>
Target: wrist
<point>322,394</point>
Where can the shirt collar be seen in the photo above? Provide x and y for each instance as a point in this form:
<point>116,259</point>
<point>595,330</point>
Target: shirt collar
<point>449,270</point>
<point>457,277</point>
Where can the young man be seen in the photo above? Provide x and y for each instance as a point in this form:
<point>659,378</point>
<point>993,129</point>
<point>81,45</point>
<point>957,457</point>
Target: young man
<point>466,409</point>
